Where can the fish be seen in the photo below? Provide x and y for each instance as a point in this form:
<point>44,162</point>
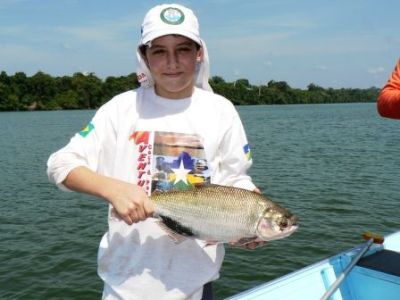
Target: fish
<point>222,214</point>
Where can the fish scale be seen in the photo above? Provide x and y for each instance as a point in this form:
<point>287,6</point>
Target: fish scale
<point>219,213</point>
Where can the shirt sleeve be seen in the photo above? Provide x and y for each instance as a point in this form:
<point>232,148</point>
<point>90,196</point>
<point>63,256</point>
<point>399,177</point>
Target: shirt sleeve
<point>389,97</point>
<point>85,148</point>
<point>235,153</point>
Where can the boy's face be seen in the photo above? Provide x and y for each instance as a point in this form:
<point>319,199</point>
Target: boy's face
<point>172,62</point>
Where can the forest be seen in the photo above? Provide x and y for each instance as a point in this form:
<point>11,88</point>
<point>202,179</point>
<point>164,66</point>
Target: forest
<point>42,91</point>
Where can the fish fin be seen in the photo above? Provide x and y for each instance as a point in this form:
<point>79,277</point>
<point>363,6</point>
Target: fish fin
<point>176,226</point>
<point>207,243</point>
<point>244,241</point>
<point>156,192</point>
<point>210,243</point>
<point>174,229</point>
<point>175,237</point>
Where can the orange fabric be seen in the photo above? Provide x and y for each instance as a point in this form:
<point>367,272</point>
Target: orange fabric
<point>389,97</point>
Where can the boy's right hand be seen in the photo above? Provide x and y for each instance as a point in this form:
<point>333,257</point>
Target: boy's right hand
<point>130,202</point>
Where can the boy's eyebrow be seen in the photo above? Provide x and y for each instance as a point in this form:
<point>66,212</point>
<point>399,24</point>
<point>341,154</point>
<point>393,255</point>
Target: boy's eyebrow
<point>185,43</point>
<point>188,43</point>
<point>155,46</point>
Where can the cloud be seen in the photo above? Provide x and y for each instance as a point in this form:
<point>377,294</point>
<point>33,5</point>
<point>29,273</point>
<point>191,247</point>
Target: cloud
<point>7,3</point>
<point>237,72</point>
<point>12,30</point>
<point>267,63</point>
<point>87,34</point>
<point>248,45</point>
<point>23,53</point>
<point>376,71</point>
<point>289,44</point>
<point>115,36</point>
<point>321,67</point>
<point>262,22</point>
<point>105,46</point>
<point>66,46</point>
<point>103,32</point>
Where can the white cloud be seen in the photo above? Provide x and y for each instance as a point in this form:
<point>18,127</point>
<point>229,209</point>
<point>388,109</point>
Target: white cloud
<point>267,63</point>
<point>289,44</point>
<point>321,67</point>
<point>104,30</point>
<point>7,3</point>
<point>12,30</point>
<point>87,34</point>
<point>262,24</point>
<point>66,46</point>
<point>237,72</point>
<point>376,71</point>
<point>23,53</point>
<point>248,45</point>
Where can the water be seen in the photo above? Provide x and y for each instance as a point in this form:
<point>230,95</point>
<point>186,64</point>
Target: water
<point>336,166</point>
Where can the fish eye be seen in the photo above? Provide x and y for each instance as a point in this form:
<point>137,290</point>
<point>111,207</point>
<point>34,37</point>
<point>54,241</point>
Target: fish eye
<point>283,223</point>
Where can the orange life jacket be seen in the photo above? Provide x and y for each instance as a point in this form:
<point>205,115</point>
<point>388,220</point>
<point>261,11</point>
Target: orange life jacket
<point>389,97</point>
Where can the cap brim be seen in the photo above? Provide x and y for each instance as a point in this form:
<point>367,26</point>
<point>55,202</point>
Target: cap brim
<point>151,36</point>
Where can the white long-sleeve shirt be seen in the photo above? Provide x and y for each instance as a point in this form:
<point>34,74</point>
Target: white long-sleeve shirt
<point>159,144</point>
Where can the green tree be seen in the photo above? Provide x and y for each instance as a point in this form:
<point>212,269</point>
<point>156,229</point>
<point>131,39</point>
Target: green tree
<point>88,89</point>
<point>215,80</point>
<point>4,93</point>
<point>115,85</point>
<point>66,100</point>
<point>19,84</point>
<point>42,91</point>
<point>42,88</point>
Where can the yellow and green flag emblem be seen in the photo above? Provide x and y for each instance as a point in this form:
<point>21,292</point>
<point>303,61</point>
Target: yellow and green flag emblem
<point>85,131</point>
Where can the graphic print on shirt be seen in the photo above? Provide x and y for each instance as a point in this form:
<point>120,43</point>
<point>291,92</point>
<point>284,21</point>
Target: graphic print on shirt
<point>170,161</point>
<point>142,140</point>
<point>179,162</point>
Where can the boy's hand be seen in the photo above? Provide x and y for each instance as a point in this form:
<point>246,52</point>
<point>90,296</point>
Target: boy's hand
<point>130,202</point>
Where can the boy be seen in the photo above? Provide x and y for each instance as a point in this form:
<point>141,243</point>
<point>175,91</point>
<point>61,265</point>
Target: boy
<point>150,139</point>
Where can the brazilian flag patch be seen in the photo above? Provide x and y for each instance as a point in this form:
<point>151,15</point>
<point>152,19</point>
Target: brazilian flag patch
<point>85,131</point>
<point>247,152</point>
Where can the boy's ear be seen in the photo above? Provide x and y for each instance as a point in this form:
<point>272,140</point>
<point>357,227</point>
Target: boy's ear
<point>142,52</point>
<point>200,55</point>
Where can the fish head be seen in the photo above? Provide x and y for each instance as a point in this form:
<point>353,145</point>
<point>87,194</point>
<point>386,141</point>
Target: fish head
<point>276,223</point>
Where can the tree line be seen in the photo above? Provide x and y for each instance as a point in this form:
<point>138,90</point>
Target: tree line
<point>86,91</point>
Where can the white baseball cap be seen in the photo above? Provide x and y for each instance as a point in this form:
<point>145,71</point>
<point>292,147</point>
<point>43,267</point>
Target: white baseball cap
<point>167,19</point>
<point>172,19</point>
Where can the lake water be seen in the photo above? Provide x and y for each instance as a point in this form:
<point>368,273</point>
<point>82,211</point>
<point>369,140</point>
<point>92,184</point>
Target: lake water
<point>336,166</point>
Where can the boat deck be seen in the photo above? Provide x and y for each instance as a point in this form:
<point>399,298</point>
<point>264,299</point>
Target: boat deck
<point>375,276</point>
<point>386,261</point>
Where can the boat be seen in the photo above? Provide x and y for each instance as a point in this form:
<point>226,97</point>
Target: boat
<point>366,272</point>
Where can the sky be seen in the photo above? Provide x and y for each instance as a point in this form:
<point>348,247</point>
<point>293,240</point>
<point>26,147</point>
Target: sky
<point>330,43</point>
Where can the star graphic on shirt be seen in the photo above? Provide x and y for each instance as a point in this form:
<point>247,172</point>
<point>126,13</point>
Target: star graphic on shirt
<point>181,173</point>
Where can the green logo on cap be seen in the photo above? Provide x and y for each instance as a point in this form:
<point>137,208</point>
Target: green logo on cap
<point>172,15</point>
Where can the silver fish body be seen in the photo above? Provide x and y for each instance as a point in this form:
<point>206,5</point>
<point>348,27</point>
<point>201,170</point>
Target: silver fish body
<point>223,214</point>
